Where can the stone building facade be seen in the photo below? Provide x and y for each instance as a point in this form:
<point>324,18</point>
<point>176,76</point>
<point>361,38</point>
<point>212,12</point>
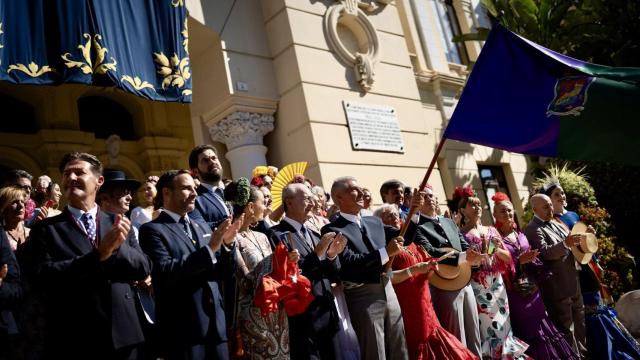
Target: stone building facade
<point>270,78</point>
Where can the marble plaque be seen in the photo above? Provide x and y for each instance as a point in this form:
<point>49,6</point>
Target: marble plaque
<point>373,127</point>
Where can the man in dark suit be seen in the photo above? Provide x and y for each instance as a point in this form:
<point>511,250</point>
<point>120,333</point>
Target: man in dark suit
<point>561,291</point>
<point>210,206</point>
<point>372,302</point>
<point>312,334</point>
<point>457,310</point>
<point>188,265</point>
<point>85,262</point>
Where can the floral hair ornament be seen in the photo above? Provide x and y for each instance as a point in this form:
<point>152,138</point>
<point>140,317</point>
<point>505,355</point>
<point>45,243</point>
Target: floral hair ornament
<point>463,193</point>
<point>549,186</point>
<point>257,181</point>
<point>500,197</point>
<point>259,171</point>
<point>272,171</point>
<point>242,192</point>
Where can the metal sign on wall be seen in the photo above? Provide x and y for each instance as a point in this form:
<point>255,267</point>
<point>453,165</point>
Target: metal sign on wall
<point>373,127</point>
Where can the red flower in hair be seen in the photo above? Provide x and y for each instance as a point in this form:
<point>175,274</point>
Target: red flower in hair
<point>257,181</point>
<point>500,197</point>
<point>463,192</point>
<point>298,179</point>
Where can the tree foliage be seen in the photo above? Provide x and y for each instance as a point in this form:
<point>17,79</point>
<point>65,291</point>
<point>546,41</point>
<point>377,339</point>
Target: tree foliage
<point>605,32</point>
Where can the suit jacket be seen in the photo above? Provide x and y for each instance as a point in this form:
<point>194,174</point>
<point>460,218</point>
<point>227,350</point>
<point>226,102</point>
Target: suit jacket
<point>91,308</point>
<point>11,289</point>
<point>556,258</point>
<point>312,334</point>
<point>361,261</point>
<point>433,237</point>
<point>208,208</point>
<point>320,272</point>
<point>189,305</point>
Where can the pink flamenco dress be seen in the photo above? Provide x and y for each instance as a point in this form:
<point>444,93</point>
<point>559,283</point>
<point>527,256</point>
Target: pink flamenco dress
<point>426,339</point>
<point>498,341</point>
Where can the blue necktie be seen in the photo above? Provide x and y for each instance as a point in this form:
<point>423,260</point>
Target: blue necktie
<point>187,229</point>
<point>306,237</point>
<point>90,227</point>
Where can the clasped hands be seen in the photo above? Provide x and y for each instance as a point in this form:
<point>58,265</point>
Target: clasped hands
<point>115,237</point>
<point>225,233</point>
<point>331,244</point>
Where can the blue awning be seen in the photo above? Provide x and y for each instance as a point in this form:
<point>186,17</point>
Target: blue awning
<point>139,46</point>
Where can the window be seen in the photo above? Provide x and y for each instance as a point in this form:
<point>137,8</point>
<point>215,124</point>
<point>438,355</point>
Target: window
<point>18,116</point>
<point>449,27</point>
<point>493,181</point>
<point>105,117</point>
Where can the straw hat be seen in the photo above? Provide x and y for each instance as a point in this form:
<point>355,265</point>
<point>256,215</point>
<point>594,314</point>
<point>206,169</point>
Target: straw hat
<point>588,245</point>
<point>449,277</point>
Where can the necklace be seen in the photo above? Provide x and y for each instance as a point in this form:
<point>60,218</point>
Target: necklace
<point>17,238</point>
<point>253,240</point>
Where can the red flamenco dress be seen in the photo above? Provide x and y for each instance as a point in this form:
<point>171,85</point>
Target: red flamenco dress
<point>426,339</point>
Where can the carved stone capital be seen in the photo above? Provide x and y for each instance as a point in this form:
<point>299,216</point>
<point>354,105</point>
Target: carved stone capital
<point>242,128</point>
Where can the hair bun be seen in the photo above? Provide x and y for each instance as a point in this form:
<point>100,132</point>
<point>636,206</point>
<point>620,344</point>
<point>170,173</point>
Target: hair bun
<point>500,197</point>
<point>238,192</point>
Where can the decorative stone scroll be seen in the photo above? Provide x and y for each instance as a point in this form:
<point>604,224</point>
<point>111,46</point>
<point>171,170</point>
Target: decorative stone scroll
<point>350,14</point>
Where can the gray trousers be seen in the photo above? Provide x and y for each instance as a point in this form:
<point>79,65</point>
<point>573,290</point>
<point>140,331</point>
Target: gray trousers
<point>568,316</point>
<point>458,314</point>
<point>377,320</point>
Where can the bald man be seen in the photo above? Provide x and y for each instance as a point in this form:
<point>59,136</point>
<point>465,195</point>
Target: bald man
<point>561,290</point>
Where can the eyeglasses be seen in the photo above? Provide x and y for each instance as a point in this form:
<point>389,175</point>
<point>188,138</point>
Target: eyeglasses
<point>27,188</point>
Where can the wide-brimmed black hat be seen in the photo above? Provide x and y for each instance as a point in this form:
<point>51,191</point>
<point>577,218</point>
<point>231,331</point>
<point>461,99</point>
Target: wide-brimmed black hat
<point>117,178</point>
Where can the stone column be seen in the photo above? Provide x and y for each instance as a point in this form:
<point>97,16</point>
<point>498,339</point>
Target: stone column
<point>242,132</point>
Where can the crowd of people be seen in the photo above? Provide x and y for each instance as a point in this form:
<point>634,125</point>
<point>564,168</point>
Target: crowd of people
<point>205,268</point>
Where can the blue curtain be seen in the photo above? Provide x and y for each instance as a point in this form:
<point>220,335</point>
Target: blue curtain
<point>139,46</point>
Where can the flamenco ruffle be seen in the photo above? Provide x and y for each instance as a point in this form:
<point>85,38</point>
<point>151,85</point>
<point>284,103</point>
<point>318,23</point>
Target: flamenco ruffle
<point>549,344</point>
<point>442,345</point>
<point>285,285</point>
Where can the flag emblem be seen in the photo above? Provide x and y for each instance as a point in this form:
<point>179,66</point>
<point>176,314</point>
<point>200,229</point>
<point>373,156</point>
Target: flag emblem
<point>570,95</point>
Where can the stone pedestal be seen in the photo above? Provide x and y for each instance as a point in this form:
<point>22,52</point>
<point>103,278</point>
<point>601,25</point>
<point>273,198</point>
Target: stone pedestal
<point>242,132</point>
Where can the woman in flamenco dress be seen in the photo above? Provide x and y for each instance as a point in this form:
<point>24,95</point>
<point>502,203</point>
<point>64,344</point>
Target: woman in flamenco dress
<point>426,339</point>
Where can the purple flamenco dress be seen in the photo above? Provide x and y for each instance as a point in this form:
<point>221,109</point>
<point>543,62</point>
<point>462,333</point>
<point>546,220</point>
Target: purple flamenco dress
<point>529,319</point>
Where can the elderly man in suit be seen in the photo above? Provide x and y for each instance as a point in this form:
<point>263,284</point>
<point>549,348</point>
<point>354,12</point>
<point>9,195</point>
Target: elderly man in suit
<point>188,265</point>
<point>313,333</point>
<point>372,302</point>
<point>560,291</point>
<point>86,261</point>
<point>457,310</point>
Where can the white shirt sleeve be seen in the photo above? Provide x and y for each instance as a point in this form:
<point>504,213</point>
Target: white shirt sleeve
<point>384,256</point>
<point>212,254</point>
<point>462,257</point>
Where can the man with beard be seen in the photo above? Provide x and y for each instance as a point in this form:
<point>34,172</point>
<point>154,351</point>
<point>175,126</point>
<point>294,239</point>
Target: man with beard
<point>85,261</point>
<point>210,205</point>
<point>211,209</point>
<point>188,265</point>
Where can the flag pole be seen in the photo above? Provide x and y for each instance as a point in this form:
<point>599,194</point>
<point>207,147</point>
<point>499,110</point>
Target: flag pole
<point>423,184</point>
